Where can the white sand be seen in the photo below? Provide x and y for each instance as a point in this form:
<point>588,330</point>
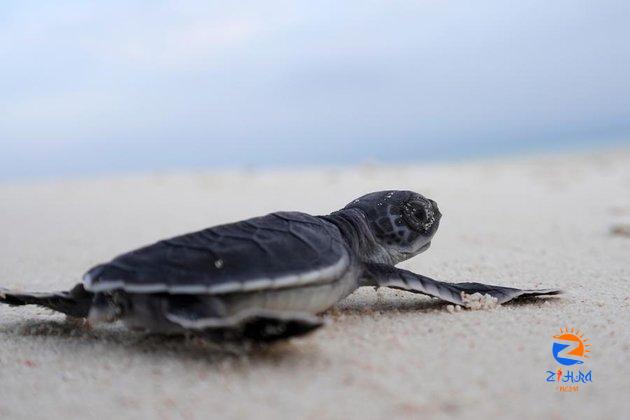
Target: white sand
<point>536,222</point>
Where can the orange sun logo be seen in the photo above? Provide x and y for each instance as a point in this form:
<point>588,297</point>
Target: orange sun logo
<point>570,347</point>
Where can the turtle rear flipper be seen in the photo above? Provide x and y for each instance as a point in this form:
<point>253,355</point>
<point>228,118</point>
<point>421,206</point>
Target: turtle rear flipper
<point>257,325</point>
<point>458,293</point>
<point>75,302</point>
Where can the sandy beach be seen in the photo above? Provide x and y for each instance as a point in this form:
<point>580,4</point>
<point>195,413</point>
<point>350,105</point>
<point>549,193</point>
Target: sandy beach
<point>545,221</point>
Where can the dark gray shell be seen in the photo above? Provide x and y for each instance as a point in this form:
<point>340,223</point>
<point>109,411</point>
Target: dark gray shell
<point>284,249</point>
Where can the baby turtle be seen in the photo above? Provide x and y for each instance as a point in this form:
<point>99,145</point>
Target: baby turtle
<point>265,278</point>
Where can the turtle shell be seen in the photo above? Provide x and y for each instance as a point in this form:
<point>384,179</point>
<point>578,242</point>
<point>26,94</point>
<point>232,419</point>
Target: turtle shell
<point>284,249</point>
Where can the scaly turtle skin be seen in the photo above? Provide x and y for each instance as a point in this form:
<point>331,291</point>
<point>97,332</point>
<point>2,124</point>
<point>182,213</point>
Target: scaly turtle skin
<point>265,278</point>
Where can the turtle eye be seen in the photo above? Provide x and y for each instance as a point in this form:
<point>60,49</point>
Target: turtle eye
<point>416,216</point>
<point>412,214</point>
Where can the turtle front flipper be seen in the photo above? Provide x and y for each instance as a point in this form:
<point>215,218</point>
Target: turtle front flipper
<point>382,275</point>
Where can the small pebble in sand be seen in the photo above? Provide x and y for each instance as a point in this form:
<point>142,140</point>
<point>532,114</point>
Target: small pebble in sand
<point>474,302</point>
<point>620,230</point>
<point>453,308</point>
<point>478,301</point>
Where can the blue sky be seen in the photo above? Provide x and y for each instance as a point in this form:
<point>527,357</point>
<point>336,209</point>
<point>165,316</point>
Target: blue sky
<point>90,87</point>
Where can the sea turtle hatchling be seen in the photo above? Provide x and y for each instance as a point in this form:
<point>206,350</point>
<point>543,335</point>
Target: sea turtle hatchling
<point>265,278</point>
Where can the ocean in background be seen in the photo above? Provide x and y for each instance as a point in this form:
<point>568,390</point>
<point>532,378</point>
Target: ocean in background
<point>78,159</point>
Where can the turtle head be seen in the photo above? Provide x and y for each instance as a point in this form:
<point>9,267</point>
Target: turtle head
<point>400,224</point>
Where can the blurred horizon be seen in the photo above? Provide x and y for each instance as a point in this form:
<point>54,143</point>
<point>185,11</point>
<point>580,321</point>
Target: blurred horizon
<point>136,86</point>
<point>86,164</point>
